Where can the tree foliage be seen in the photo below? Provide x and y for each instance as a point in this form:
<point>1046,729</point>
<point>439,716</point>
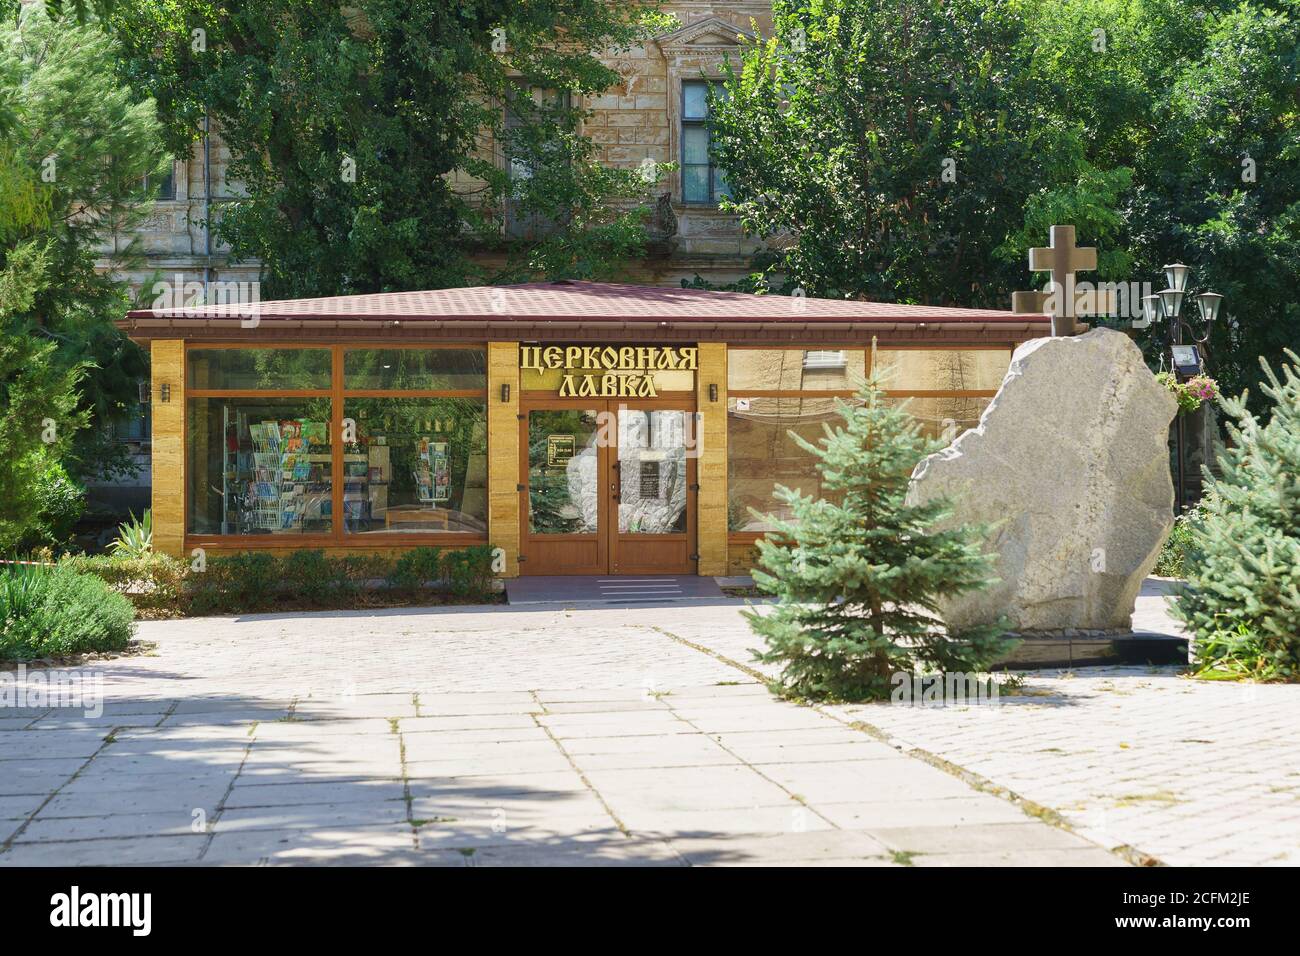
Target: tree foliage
<point>75,149</point>
<point>1166,131</point>
<point>858,571</point>
<point>371,136</point>
<point>894,142</point>
<point>1243,559</point>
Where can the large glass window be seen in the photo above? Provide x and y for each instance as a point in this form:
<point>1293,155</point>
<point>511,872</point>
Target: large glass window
<point>947,416</point>
<point>761,454</point>
<point>417,465</point>
<point>773,392</point>
<point>795,370</point>
<point>258,369</point>
<point>266,442</point>
<point>259,466</point>
<point>950,370</point>
<point>414,369</point>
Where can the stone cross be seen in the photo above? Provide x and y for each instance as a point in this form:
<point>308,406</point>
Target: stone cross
<point>1063,259</point>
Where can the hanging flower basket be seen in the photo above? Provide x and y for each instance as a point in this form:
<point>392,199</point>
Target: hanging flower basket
<point>1192,393</point>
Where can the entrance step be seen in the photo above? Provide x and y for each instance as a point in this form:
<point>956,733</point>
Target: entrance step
<point>609,589</point>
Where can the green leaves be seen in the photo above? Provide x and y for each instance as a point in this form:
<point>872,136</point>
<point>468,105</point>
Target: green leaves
<point>72,191</point>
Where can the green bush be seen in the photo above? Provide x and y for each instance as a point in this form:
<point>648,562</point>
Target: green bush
<point>154,583</point>
<point>310,576</point>
<point>234,583</point>
<point>57,611</point>
<point>468,572</point>
<point>1172,561</point>
<point>60,502</point>
<point>251,577</point>
<point>416,569</point>
<point>1241,600</point>
<point>259,580</point>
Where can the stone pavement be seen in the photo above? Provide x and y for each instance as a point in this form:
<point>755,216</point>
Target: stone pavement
<point>601,735</point>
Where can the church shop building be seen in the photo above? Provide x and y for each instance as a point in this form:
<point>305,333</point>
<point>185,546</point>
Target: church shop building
<point>582,428</point>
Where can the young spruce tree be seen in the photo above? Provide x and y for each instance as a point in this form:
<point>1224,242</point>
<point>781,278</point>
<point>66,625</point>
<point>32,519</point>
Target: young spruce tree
<point>1242,597</point>
<point>857,573</point>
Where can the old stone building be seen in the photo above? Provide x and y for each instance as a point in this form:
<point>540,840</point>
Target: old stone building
<point>656,112</point>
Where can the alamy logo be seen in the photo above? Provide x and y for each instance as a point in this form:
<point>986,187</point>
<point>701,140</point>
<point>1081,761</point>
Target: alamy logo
<point>103,909</point>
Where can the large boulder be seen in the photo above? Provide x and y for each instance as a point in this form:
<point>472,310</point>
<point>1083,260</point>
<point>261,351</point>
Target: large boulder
<point>1069,467</point>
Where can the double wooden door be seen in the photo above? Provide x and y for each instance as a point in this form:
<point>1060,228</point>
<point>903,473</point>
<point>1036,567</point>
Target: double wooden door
<point>608,487</point>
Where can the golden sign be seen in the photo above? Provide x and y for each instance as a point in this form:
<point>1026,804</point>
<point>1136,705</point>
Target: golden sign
<point>559,449</point>
<point>594,371</point>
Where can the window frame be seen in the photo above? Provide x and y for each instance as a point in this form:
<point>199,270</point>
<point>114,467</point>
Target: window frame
<point>683,123</point>
<point>337,537</point>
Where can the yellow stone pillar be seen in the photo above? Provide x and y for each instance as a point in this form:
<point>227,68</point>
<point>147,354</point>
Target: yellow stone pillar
<point>711,466</point>
<point>167,363</point>
<point>503,452</point>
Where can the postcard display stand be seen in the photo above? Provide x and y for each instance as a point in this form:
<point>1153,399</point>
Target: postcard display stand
<point>276,479</point>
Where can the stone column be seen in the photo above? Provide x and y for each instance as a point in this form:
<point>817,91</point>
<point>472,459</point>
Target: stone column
<point>167,361</point>
<point>711,467</point>
<point>503,453</point>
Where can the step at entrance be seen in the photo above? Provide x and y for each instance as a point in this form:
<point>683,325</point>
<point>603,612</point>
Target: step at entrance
<point>573,589</point>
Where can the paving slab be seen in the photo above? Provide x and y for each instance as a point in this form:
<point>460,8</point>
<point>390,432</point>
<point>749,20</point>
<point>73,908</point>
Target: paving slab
<point>686,788</point>
<point>377,845</point>
<point>20,807</point>
<point>205,794</point>
<point>779,848</point>
<point>44,829</point>
<point>976,838</point>
<point>316,816</point>
<point>977,808</point>
<point>19,777</point>
<point>247,794</point>
<point>131,851</point>
<point>615,851</point>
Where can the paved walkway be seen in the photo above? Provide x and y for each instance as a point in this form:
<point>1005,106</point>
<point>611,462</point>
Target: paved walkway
<point>618,736</point>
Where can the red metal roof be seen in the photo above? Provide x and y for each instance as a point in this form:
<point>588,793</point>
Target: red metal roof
<point>594,302</point>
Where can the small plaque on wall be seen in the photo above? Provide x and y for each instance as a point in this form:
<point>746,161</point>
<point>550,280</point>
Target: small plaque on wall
<point>559,449</point>
<point>649,480</point>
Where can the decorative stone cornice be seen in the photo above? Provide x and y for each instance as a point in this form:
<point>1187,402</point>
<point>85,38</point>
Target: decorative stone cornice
<point>710,35</point>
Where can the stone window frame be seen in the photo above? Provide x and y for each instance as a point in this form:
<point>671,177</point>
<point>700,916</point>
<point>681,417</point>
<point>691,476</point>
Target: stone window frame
<point>694,53</point>
<point>180,184</point>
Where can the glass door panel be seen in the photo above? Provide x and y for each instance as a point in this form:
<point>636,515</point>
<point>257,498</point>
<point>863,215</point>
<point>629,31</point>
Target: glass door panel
<point>563,472</point>
<point>652,471</point>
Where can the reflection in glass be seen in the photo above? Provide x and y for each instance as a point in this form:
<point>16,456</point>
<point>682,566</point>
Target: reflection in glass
<point>761,455</point>
<point>563,484</point>
<point>943,369</point>
<point>417,465</point>
<point>259,466</point>
<point>947,417</point>
<point>291,369</point>
<point>795,370</point>
<point>652,471</point>
<point>423,369</point>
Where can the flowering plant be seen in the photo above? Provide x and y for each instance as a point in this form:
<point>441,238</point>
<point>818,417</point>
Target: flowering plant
<point>1191,393</point>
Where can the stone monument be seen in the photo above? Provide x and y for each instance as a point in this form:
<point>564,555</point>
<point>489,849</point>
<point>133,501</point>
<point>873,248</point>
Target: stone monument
<point>1069,466</point>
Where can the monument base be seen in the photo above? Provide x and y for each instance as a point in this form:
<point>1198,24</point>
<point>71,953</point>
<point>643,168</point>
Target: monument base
<point>1091,648</point>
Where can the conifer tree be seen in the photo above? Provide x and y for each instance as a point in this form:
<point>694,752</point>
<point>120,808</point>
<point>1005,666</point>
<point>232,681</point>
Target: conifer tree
<point>857,573</point>
<point>1242,596</point>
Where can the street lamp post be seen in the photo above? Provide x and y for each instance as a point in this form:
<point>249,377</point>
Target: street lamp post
<point>1187,359</point>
